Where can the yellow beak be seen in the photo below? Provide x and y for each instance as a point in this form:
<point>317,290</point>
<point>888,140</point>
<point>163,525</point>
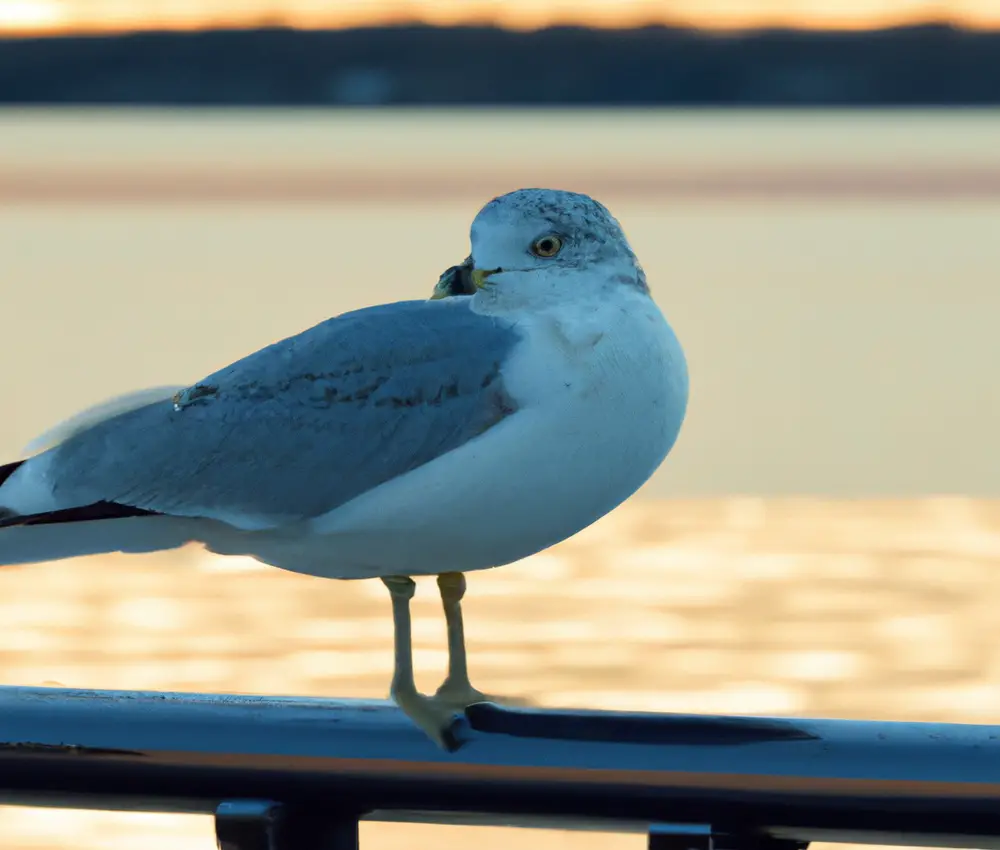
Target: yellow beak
<point>479,276</point>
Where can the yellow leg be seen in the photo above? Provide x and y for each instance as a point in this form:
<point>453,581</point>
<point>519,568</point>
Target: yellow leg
<point>436,717</point>
<point>456,690</point>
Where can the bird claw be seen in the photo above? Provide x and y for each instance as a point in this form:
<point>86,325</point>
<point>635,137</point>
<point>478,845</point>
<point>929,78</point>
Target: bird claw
<point>439,719</point>
<point>459,697</point>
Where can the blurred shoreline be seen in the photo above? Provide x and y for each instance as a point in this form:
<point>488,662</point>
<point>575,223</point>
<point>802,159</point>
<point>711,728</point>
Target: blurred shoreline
<point>421,65</point>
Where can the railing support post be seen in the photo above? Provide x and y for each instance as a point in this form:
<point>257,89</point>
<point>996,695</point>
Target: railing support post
<point>269,825</point>
<point>696,836</point>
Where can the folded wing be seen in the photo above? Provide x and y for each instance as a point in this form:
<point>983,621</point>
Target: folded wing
<point>291,431</point>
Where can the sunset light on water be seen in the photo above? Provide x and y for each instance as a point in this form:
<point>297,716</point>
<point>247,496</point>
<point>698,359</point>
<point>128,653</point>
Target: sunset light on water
<point>41,16</point>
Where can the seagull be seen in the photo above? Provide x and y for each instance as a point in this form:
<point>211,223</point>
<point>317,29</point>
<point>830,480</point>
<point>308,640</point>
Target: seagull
<point>534,391</point>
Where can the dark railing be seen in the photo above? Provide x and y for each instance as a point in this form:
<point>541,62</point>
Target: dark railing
<point>301,772</point>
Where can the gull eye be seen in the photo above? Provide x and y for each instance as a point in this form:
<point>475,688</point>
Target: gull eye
<point>546,246</point>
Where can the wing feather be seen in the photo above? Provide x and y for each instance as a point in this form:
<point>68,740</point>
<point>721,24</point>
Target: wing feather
<point>304,425</point>
<point>98,413</point>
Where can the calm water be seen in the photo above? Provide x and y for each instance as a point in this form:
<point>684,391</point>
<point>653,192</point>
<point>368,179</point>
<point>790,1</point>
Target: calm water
<point>840,342</point>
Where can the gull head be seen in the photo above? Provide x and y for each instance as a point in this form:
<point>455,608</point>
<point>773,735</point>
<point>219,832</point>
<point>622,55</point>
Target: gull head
<point>534,243</point>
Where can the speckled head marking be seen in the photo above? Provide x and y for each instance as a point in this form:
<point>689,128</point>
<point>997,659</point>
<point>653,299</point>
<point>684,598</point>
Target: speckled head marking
<point>506,229</point>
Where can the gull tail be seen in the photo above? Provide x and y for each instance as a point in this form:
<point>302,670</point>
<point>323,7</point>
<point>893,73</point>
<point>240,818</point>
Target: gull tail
<point>95,529</point>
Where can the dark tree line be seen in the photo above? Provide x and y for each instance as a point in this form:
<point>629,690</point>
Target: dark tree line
<point>929,65</point>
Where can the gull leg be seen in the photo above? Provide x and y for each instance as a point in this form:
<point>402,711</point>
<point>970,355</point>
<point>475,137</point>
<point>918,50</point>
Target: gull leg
<point>435,717</point>
<point>456,689</point>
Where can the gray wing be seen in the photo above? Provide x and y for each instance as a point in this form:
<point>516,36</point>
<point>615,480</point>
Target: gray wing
<point>304,425</point>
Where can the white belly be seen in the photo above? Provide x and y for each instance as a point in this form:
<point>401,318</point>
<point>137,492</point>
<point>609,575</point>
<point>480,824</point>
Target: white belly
<point>600,403</point>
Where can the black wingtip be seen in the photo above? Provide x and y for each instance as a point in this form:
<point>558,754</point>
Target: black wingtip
<point>8,469</point>
<point>85,513</point>
<point>7,517</point>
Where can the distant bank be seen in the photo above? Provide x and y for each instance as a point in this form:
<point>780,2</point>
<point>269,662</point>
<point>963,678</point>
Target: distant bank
<point>917,66</point>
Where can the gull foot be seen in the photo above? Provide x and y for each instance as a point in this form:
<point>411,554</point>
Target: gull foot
<point>460,697</point>
<point>440,720</point>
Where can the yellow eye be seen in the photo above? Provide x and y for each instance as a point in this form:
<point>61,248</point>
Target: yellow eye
<point>546,246</point>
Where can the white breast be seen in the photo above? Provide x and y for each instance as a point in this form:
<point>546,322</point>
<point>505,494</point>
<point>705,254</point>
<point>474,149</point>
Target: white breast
<point>601,389</point>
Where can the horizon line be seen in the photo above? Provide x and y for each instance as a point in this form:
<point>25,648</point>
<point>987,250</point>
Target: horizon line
<point>223,25</point>
<point>743,23</point>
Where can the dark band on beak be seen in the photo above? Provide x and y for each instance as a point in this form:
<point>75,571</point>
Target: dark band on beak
<point>456,281</point>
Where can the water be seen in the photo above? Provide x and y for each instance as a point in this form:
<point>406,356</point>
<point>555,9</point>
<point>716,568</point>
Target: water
<point>842,333</point>
<point>841,342</point>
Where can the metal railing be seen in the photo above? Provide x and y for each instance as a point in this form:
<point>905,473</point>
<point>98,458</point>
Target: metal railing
<point>301,772</point>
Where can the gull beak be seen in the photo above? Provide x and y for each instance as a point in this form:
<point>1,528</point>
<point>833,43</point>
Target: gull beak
<point>463,279</point>
<point>455,281</point>
<point>478,276</point>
